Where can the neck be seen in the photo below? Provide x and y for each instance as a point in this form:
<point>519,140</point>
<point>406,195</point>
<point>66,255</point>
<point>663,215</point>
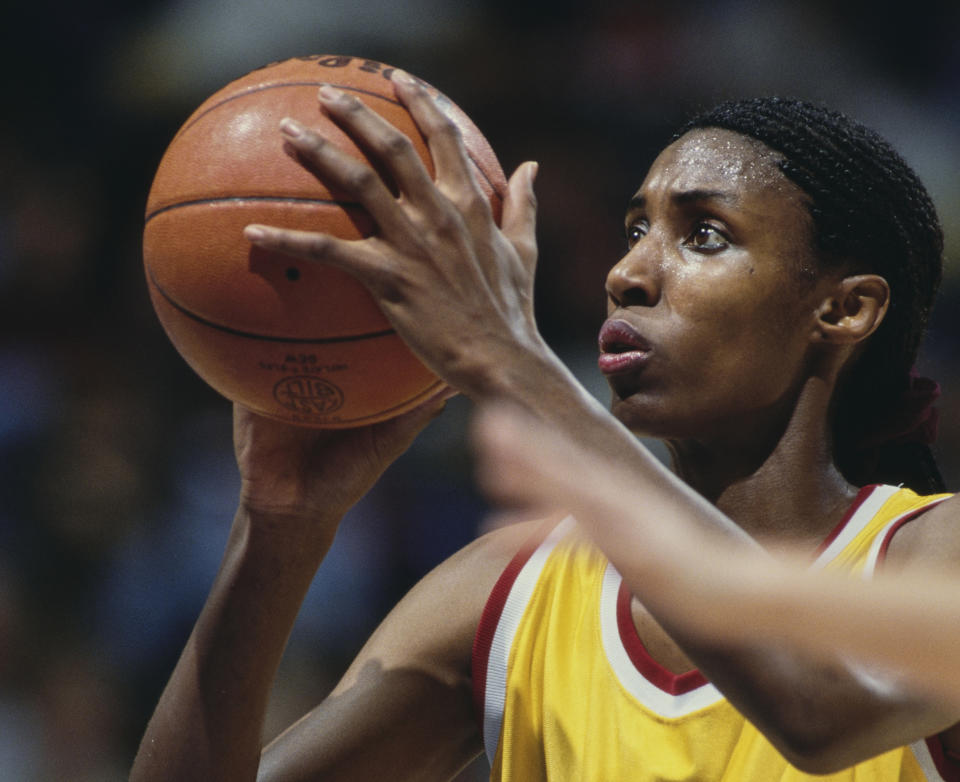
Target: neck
<point>775,478</point>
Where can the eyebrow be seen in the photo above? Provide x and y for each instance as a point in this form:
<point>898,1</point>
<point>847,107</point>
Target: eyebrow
<point>685,197</point>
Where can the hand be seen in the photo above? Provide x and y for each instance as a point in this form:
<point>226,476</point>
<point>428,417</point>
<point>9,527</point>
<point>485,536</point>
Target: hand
<point>457,288</point>
<point>318,474</point>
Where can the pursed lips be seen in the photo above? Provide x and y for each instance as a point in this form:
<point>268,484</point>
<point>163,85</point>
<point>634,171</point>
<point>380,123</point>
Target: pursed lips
<point>622,348</point>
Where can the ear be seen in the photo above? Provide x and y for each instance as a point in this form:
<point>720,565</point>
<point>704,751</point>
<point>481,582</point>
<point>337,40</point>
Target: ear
<point>855,307</point>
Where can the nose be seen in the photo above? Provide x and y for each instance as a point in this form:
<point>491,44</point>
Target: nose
<point>635,280</point>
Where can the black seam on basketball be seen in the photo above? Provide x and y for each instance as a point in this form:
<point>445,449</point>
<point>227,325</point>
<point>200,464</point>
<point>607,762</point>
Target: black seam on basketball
<point>264,87</point>
<point>264,337</point>
<point>253,198</point>
<point>345,88</point>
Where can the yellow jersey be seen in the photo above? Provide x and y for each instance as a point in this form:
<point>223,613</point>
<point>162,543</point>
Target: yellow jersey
<point>566,690</point>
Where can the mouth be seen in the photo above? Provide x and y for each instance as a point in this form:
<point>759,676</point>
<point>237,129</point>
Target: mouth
<point>622,348</point>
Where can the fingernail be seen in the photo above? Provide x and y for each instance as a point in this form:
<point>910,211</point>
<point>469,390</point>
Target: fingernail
<point>255,233</point>
<point>402,77</point>
<point>328,92</point>
<point>290,127</point>
<point>534,170</point>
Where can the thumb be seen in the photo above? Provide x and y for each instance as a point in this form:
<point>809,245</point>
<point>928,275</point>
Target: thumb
<point>519,220</point>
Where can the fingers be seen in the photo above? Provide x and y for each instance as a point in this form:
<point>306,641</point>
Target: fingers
<point>453,181</point>
<point>519,220</point>
<point>454,173</point>
<point>344,172</point>
<point>356,257</point>
<point>391,148</point>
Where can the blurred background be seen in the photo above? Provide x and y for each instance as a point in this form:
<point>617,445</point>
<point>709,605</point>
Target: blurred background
<point>117,480</point>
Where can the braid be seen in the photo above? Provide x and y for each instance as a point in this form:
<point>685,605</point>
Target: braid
<point>870,213</point>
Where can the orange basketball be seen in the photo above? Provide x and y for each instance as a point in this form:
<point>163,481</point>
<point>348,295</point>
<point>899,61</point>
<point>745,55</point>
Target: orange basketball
<point>292,340</point>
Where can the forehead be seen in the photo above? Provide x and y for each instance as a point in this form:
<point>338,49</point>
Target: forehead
<point>717,159</point>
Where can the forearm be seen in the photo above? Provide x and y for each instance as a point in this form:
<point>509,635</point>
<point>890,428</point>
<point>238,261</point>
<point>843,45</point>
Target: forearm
<point>703,584</point>
<point>799,662</point>
<point>540,385</point>
<point>207,725</point>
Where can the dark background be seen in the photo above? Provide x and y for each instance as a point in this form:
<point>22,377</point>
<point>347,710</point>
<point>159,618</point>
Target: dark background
<point>117,484</point>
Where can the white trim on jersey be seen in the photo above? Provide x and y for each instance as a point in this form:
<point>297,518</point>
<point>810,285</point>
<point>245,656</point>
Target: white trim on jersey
<point>862,516</point>
<point>495,692</point>
<point>925,760</point>
<point>883,536</point>
<point>646,692</point>
<point>661,702</point>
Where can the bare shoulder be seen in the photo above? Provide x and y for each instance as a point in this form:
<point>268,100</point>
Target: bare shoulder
<point>404,709</point>
<point>930,540</point>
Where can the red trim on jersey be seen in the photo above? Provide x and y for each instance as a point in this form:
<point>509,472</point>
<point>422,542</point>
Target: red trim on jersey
<point>861,497</point>
<point>490,618</point>
<point>947,765</point>
<point>945,762</point>
<point>888,538</point>
<point>680,683</point>
<point>650,669</point>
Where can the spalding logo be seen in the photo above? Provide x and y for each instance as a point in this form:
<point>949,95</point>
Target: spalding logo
<point>308,395</point>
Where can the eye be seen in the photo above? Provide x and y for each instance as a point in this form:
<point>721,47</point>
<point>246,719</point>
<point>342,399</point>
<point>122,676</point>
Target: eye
<point>707,238</point>
<point>635,232</point>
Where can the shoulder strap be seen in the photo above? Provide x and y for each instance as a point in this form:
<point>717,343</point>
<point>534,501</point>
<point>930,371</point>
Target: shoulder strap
<point>498,626</point>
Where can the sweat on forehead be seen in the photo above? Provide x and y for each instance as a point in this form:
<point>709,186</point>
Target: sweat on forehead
<point>729,157</point>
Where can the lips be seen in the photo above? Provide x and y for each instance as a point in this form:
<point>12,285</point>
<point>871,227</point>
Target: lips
<point>622,348</point>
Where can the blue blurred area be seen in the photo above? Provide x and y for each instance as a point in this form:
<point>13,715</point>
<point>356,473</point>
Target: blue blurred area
<point>118,482</point>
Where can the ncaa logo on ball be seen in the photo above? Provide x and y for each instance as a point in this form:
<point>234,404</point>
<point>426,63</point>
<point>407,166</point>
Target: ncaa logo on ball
<point>308,395</point>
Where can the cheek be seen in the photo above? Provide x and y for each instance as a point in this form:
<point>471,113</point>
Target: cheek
<point>741,342</point>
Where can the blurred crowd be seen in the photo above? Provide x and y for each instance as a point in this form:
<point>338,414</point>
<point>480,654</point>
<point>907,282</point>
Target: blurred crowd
<point>117,481</point>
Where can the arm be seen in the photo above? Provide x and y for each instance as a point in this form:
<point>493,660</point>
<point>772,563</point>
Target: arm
<point>297,483</point>
<point>720,593</point>
<point>905,620</point>
<point>404,709</point>
<point>458,288</point>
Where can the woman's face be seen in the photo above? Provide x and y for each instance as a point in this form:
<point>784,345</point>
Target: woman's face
<point>710,318</point>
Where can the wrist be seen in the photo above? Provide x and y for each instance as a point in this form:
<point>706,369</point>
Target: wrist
<point>518,374</point>
<point>283,535</point>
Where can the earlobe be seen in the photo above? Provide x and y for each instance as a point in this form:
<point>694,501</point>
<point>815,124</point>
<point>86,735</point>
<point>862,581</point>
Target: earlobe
<point>854,310</point>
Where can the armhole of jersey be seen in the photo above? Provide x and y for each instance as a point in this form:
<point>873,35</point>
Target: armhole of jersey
<point>868,502</point>
<point>498,623</point>
<point>936,762</point>
<point>878,551</point>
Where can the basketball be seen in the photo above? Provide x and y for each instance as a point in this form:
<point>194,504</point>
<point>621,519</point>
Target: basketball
<point>291,340</point>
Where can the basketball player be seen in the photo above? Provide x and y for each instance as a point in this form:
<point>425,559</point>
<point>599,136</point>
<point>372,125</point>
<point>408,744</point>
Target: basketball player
<point>763,322</point>
<point>908,624</point>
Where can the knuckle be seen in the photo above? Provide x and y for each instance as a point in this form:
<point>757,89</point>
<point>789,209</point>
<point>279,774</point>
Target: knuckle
<point>318,245</point>
<point>527,248</point>
<point>446,222</point>
<point>312,143</point>
<point>361,179</point>
<point>387,283</point>
<point>473,202</point>
<point>397,145</point>
<point>444,225</point>
<point>351,104</point>
<point>444,126</point>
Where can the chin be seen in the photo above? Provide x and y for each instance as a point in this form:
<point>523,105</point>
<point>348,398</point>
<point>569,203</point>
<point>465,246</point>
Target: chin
<point>640,417</point>
<point>650,417</point>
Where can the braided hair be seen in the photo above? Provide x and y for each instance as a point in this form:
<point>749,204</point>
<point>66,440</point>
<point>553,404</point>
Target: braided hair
<point>870,214</point>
